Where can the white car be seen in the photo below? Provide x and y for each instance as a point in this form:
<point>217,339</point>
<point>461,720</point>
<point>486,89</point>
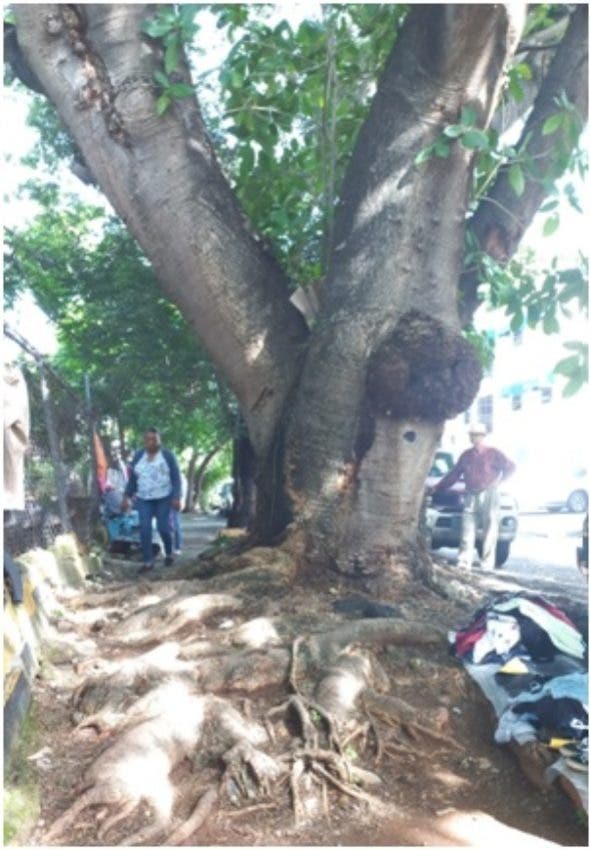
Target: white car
<point>552,489</point>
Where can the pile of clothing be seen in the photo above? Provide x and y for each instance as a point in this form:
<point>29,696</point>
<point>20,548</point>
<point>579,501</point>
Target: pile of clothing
<point>530,660</point>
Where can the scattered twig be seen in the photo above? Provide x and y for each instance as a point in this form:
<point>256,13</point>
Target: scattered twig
<point>346,789</point>
<point>378,742</point>
<point>308,730</point>
<point>296,773</point>
<point>325,804</point>
<point>293,671</point>
<point>249,809</point>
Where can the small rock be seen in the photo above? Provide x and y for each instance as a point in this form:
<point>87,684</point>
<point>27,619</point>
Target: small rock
<point>227,624</point>
<point>456,710</point>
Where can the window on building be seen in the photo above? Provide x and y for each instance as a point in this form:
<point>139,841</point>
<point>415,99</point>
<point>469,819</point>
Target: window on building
<point>546,395</point>
<point>516,402</point>
<point>485,411</point>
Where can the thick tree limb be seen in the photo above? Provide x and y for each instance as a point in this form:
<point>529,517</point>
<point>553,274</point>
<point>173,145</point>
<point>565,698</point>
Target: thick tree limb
<point>502,217</point>
<point>162,177</point>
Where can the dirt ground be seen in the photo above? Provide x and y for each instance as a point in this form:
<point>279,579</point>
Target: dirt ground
<point>463,790</point>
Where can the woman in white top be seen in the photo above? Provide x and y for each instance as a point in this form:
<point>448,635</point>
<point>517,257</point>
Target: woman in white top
<point>155,481</point>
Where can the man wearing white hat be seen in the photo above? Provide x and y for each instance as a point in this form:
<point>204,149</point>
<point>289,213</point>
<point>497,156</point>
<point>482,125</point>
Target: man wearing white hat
<point>481,468</point>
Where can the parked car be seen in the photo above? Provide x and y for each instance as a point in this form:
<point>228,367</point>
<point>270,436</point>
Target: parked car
<point>552,488</point>
<point>222,499</point>
<point>444,513</point>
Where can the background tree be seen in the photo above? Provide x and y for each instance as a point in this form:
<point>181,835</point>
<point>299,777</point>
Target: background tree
<point>343,418</point>
<point>145,366</point>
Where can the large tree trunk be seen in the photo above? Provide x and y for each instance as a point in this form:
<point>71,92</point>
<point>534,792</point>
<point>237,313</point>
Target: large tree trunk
<point>344,422</point>
<point>244,476</point>
<point>388,365</point>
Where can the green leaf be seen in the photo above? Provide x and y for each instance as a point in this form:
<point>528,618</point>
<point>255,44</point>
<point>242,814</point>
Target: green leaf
<point>161,78</point>
<point>424,155</point>
<point>552,124</point>
<point>515,89</point>
<point>551,225</point>
<point>550,324</point>
<point>247,164</point>
<point>574,384</point>
<point>156,28</point>
<point>180,90</point>
<point>468,116</point>
<point>442,149</point>
<point>516,178</point>
<point>568,366</point>
<point>474,139</point>
<point>162,104</point>
<point>549,205</point>
<point>172,56</point>
<point>516,321</point>
<point>524,71</point>
<point>187,11</point>
<point>453,131</point>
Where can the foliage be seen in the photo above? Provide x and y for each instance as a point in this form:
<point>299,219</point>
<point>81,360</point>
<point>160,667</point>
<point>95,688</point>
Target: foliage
<point>218,470</point>
<point>574,367</point>
<point>54,144</point>
<point>541,297</point>
<point>145,367</point>
<point>293,101</point>
<point>284,121</point>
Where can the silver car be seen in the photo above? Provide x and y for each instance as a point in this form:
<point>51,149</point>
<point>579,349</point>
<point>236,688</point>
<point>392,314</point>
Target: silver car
<point>444,513</point>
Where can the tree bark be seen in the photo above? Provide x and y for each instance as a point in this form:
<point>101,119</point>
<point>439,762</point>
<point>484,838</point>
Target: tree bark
<point>244,489</point>
<point>163,179</point>
<point>387,364</point>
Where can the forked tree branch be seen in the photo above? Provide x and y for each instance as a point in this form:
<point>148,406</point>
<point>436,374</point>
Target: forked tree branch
<point>502,217</point>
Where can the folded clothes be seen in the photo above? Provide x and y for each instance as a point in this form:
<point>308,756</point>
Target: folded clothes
<point>521,626</point>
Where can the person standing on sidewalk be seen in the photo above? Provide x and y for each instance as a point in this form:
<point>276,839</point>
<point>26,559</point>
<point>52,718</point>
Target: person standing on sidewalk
<point>155,481</point>
<point>482,468</point>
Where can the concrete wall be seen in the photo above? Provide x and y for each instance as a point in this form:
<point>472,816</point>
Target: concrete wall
<point>49,575</point>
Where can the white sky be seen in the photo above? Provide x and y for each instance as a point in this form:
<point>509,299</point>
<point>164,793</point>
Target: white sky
<point>18,139</point>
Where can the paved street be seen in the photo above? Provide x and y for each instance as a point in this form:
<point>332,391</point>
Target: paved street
<point>542,557</point>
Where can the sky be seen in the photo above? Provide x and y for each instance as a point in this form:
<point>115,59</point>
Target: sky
<point>566,243</point>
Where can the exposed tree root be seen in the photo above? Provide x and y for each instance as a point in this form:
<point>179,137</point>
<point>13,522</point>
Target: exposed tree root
<point>448,584</point>
<point>396,712</point>
<point>325,646</point>
<point>196,820</point>
<point>166,618</point>
<point>160,708</point>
